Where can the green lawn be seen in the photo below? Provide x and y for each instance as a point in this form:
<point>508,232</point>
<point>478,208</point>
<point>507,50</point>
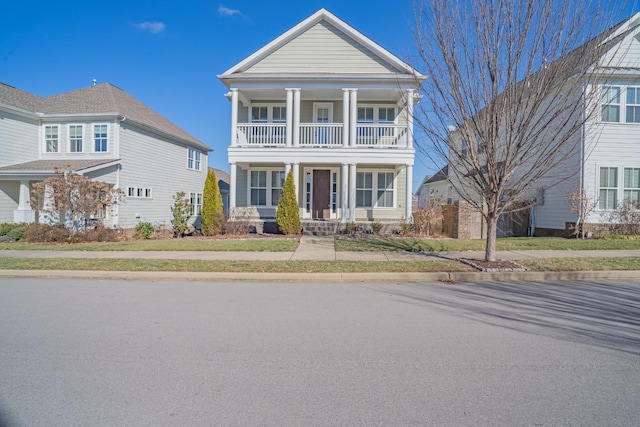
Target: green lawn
<point>214,245</point>
<point>100,264</point>
<point>412,244</point>
<point>231,266</point>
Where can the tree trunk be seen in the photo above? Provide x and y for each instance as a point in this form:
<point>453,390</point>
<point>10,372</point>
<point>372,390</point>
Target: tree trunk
<point>490,249</point>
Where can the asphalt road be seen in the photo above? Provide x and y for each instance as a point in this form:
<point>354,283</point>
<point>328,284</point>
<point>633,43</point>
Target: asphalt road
<point>166,354</point>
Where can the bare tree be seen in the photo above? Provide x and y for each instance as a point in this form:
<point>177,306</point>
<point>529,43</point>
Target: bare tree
<point>508,90</point>
<point>75,195</point>
<point>582,205</point>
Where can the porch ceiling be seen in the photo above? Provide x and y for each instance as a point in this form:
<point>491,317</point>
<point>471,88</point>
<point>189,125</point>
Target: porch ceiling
<point>321,94</point>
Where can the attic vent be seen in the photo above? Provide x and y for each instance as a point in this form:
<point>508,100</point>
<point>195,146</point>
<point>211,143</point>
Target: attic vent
<point>94,82</point>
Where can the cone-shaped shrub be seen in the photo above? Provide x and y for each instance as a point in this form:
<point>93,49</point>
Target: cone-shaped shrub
<point>212,215</point>
<point>288,215</point>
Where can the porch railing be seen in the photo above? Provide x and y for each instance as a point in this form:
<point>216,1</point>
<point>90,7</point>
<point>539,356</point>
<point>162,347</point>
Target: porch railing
<point>321,135</point>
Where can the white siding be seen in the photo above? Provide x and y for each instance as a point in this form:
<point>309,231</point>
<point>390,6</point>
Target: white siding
<point>321,49</point>
<point>9,195</point>
<point>151,162</point>
<point>18,139</point>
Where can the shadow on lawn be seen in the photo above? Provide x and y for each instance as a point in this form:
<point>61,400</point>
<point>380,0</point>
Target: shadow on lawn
<point>401,245</point>
<point>605,314</point>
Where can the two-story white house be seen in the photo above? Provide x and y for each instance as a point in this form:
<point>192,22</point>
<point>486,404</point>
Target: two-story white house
<point>604,155</point>
<point>103,133</point>
<point>329,104</point>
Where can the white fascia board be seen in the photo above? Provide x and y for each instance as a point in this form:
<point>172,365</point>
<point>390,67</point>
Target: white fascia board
<point>320,15</point>
<point>336,156</point>
<point>19,111</point>
<point>98,167</point>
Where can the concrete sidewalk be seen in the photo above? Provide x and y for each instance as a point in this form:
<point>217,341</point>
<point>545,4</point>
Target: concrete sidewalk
<point>315,248</point>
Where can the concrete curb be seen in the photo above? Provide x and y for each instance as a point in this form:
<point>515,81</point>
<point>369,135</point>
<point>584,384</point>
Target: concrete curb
<point>475,277</point>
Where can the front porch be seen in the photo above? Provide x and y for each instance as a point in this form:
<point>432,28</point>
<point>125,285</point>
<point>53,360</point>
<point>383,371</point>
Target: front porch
<point>337,192</point>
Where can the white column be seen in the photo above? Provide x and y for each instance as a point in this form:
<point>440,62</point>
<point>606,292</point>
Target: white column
<point>289,131</point>
<point>345,118</point>
<point>344,192</point>
<point>353,119</point>
<point>352,193</point>
<point>296,181</point>
<point>409,195</point>
<point>24,213</point>
<point>409,118</point>
<point>296,117</point>
<point>232,190</point>
<point>287,168</point>
<point>234,116</point>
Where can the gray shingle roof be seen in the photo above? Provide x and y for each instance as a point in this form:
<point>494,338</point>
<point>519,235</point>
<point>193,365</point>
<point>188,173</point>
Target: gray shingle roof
<point>9,95</point>
<point>53,165</point>
<point>99,99</point>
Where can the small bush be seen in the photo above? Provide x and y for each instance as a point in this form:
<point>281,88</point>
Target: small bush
<point>18,233</point>
<point>43,233</point>
<point>351,227</point>
<point>376,227</point>
<point>144,229</point>
<point>405,228</point>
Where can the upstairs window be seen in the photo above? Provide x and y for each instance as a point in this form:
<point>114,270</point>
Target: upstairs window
<point>100,138</point>
<point>51,139</point>
<point>608,188</point>
<point>633,105</point>
<point>260,114</point>
<point>611,104</point>
<point>365,114</point>
<point>75,138</point>
<point>193,161</point>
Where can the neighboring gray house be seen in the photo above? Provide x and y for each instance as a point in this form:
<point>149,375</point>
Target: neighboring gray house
<point>103,133</point>
<point>329,104</point>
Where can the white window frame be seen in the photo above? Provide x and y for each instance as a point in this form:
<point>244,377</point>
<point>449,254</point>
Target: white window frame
<point>194,159</point>
<point>195,200</point>
<point>95,139</point>
<point>635,106</point>
<point>623,105</point>
<point>269,186</point>
<point>391,190</point>
<point>269,118</point>
<point>47,139</point>
<point>631,190</point>
<point>364,188</point>
<point>375,189</point>
<point>608,188</point>
<point>139,193</point>
<point>73,142</point>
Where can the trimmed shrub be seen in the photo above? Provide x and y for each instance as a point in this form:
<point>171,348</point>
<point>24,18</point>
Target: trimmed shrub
<point>14,231</point>
<point>212,215</point>
<point>288,214</point>
<point>181,211</point>
<point>144,229</point>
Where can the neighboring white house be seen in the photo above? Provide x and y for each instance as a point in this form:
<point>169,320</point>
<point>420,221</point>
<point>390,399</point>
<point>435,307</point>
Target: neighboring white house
<point>335,108</point>
<point>103,133</point>
<point>607,162</point>
<point>435,187</point>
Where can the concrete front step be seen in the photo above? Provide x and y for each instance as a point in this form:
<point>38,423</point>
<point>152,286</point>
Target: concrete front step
<point>319,228</point>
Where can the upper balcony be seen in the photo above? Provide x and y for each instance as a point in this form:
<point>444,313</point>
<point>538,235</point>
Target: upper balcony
<point>329,135</point>
<point>329,118</point>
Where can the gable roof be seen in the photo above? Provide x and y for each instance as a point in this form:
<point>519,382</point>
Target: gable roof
<point>394,64</point>
<point>104,98</point>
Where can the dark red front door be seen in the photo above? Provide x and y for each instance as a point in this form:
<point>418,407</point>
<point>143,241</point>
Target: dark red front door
<point>321,187</point>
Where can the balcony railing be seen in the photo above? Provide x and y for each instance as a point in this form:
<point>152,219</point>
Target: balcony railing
<point>321,135</point>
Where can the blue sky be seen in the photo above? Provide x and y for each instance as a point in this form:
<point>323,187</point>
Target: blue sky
<point>167,53</point>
